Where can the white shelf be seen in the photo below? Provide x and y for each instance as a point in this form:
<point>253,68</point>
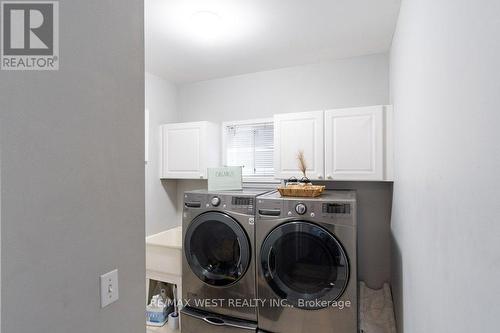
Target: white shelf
<point>164,329</point>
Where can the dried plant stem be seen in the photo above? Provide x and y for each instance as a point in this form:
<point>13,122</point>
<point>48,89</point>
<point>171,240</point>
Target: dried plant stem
<point>302,162</point>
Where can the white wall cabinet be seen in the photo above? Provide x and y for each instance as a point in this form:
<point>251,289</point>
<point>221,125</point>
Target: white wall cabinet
<point>188,149</point>
<point>342,144</point>
<point>294,132</point>
<point>354,143</point>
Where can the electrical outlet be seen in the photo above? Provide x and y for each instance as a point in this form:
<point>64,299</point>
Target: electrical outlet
<point>109,288</point>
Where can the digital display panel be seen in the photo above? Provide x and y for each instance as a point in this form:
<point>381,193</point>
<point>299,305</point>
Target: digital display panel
<point>242,201</point>
<point>336,208</point>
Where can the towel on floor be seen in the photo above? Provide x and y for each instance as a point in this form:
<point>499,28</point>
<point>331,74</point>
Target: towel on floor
<point>376,310</point>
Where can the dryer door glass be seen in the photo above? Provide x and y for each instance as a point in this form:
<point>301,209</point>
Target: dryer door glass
<point>217,249</point>
<point>304,264</point>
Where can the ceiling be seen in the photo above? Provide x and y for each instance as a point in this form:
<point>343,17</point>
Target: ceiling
<point>257,35</point>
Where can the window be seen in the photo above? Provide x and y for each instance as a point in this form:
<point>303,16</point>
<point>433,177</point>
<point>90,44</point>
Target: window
<point>250,144</point>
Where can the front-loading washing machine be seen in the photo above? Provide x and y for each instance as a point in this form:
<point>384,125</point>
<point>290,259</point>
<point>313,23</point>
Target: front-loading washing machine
<point>218,267</point>
<point>306,263</point>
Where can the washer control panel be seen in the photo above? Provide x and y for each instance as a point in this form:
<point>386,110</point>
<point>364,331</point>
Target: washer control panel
<point>244,204</point>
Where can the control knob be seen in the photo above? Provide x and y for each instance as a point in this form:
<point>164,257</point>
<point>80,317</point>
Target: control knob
<point>215,201</point>
<point>300,208</point>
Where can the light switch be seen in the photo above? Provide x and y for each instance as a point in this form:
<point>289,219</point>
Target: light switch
<point>109,288</point>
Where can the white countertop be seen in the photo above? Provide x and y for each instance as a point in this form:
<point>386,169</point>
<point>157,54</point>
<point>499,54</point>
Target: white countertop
<point>171,238</point>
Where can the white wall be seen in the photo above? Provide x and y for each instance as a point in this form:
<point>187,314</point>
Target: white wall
<point>72,194</point>
<point>350,82</point>
<point>161,196</point>
<point>445,77</point>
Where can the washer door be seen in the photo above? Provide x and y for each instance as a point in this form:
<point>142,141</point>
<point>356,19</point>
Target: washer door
<point>304,264</point>
<point>217,249</point>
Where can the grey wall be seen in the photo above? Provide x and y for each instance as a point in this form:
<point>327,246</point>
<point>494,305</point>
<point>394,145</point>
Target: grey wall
<point>445,89</point>
<point>161,195</point>
<point>72,194</point>
<point>344,83</point>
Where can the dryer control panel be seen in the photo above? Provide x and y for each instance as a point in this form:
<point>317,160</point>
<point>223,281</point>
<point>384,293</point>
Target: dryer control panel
<point>316,208</point>
<point>337,207</point>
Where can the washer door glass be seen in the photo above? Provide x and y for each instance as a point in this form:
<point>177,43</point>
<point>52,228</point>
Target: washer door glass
<point>304,264</point>
<point>217,249</point>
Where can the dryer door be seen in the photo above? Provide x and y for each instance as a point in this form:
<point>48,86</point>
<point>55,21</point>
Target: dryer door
<point>217,249</point>
<point>304,264</point>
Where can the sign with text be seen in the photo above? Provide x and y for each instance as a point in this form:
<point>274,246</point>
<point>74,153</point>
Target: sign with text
<point>29,35</point>
<point>225,178</point>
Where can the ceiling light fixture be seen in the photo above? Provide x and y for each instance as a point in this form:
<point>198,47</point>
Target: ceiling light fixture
<point>206,25</point>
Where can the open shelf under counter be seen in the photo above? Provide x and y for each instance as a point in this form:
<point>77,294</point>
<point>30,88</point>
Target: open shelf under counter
<point>164,258</point>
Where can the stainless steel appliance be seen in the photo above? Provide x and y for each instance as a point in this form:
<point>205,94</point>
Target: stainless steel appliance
<point>306,263</point>
<point>218,267</point>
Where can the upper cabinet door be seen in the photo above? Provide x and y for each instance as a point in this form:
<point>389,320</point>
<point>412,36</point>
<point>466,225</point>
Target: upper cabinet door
<point>354,143</point>
<point>294,132</point>
<point>188,149</point>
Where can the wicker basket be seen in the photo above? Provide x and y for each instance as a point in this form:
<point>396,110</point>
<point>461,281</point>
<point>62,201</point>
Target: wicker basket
<point>309,191</point>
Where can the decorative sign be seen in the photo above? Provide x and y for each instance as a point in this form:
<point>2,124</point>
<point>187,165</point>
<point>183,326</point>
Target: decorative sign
<point>225,178</point>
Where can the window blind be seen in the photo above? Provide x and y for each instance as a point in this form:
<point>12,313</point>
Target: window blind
<point>251,146</point>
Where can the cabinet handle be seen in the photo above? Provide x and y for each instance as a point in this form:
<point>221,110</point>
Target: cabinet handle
<point>329,176</point>
<point>320,176</point>
<point>201,176</point>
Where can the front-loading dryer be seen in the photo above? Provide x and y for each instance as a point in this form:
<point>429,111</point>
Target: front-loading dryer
<point>306,263</point>
<point>218,267</point>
